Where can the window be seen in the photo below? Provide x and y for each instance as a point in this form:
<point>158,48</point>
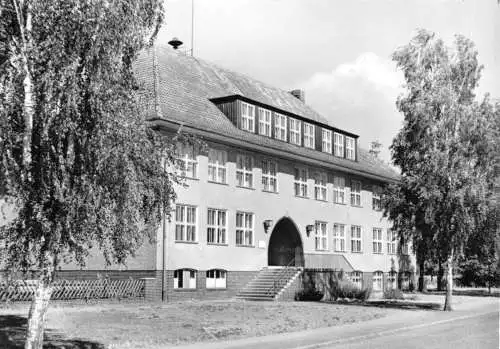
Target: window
<point>377,240</point>
<point>216,226</point>
<point>187,163</point>
<point>339,190</point>
<point>264,122</point>
<point>217,166</point>
<point>280,127</point>
<point>350,148</point>
<point>391,242</point>
<point>269,176</point>
<point>376,198</point>
<point>300,182</point>
<point>3,252</point>
<point>392,280</point>
<point>244,229</point>
<point>216,278</point>
<point>326,141</point>
<point>295,132</point>
<point>247,117</point>
<point>356,278</point>
<point>355,193</point>
<point>244,173</point>
<point>185,223</point>
<point>338,144</point>
<point>356,238</point>
<point>405,284</point>
<point>320,186</point>
<point>378,280</point>
<point>405,250</point>
<point>339,237</point>
<point>321,236</point>
<point>184,278</point>
<point>309,136</point>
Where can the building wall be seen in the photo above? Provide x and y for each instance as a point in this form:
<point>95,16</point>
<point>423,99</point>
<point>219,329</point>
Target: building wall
<point>271,206</point>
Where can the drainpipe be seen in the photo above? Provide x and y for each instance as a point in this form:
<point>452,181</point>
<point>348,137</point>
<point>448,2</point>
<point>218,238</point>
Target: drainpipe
<point>163,260</point>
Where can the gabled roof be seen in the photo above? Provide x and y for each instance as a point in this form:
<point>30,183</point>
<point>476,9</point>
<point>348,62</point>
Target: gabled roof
<point>180,87</point>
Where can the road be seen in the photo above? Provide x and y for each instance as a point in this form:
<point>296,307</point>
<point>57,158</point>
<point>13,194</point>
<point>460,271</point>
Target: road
<point>473,325</point>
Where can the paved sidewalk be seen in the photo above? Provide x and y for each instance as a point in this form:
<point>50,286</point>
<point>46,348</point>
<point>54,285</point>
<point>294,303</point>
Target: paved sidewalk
<point>399,321</point>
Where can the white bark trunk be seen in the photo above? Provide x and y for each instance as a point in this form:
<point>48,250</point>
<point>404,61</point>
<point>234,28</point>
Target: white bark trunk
<point>37,315</point>
<point>448,305</point>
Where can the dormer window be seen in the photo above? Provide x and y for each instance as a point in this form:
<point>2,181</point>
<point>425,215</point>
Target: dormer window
<point>247,117</point>
<point>264,122</point>
<point>338,144</point>
<point>326,140</point>
<point>350,148</point>
<point>309,135</point>
<point>280,127</point>
<point>295,131</point>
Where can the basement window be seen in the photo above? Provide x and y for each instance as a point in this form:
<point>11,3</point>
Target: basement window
<point>216,278</point>
<point>184,279</point>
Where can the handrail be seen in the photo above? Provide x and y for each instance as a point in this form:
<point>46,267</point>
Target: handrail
<point>281,275</point>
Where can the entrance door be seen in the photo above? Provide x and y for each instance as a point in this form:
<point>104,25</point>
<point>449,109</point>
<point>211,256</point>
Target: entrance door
<point>285,245</point>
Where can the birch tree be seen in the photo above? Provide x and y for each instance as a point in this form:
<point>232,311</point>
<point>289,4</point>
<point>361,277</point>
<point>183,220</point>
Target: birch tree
<point>77,158</point>
<point>445,150</point>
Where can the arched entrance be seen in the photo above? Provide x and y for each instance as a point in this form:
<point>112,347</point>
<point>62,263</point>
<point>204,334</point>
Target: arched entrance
<point>285,244</point>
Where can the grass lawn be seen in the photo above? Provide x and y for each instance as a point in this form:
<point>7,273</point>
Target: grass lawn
<point>147,325</point>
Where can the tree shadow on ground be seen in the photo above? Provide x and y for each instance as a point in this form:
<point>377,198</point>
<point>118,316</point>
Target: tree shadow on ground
<point>393,304</point>
<point>13,334</point>
<point>472,292</point>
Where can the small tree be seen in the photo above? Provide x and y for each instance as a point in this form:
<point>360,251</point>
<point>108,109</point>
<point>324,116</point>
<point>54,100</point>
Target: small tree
<point>77,158</point>
<point>445,149</point>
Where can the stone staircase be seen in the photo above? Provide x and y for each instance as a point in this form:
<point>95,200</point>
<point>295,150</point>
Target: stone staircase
<point>269,283</point>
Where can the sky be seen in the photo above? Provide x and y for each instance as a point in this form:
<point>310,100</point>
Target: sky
<point>338,52</point>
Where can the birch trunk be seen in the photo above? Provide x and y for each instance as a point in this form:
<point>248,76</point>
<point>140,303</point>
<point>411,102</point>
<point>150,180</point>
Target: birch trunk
<point>37,315</point>
<point>449,284</point>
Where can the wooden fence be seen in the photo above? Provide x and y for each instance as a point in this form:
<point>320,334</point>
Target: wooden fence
<point>23,290</point>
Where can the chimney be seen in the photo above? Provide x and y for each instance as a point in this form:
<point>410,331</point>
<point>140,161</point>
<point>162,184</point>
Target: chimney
<point>299,94</point>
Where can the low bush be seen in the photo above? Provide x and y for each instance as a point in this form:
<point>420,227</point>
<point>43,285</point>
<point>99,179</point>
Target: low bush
<point>393,293</point>
<point>339,288</point>
<point>309,295</point>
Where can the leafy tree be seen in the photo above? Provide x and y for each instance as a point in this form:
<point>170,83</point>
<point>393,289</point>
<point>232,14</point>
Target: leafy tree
<point>445,149</point>
<point>78,161</point>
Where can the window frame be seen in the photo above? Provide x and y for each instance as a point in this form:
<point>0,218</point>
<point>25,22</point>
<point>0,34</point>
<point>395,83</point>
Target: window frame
<point>185,224</point>
<point>358,237</point>
<point>280,127</point>
<point>338,144</point>
<point>378,281</point>
<point>299,183</point>
<point>350,149</point>
<point>337,190</point>
<point>321,236</point>
<point>217,167</point>
<point>268,177</point>
<point>309,135</point>
<point>377,240</point>
<point>265,124</point>
<point>356,277</point>
<point>247,117</point>
<point>356,194</point>
<point>218,228</point>
<point>187,161</point>
<point>326,142</point>
<point>244,171</point>
<point>180,281</point>
<point>377,198</point>
<point>392,280</point>
<point>295,131</point>
<point>243,231</point>
<point>222,285</point>
<point>392,247</point>
<point>339,237</point>
<point>319,187</point>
